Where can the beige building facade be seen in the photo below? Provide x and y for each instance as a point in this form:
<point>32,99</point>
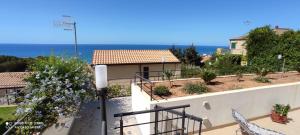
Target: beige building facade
<point>117,72</point>
<point>238,44</point>
<point>124,65</point>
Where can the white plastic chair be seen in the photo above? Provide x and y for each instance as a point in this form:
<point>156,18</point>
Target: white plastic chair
<point>250,128</point>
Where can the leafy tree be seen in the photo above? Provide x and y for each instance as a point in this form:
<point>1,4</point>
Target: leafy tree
<point>177,52</point>
<point>191,55</point>
<point>14,64</point>
<point>226,64</point>
<point>289,47</point>
<point>188,71</point>
<point>168,74</point>
<point>260,44</point>
<point>264,46</point>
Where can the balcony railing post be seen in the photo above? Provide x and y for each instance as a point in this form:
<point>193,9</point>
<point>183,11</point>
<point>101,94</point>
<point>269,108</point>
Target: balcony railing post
<point>200,127</point>
<point>151,93</point>
<point>183,122</point>
<point>135,79</point>
<point>121,126</point>
<point>155,120</point>
<point>141,81</point>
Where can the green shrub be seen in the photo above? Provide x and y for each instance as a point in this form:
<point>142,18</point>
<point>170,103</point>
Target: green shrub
<point>192,88</point>
<point>262,79</point>
<point>116,90</point>
<point>298,68</point>
<point>14,64</point>
<point>207,75</point>
<point>19,99</point>
<point>282,109</point>
<point>189,71</point>
<point>168,74</point>
<point>239,75</point>
<point>263,72</point>
<point>162,91</point>
<point>56,87</point>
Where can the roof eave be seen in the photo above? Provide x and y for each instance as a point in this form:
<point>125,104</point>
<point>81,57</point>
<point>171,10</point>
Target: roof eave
<point>135,63</point>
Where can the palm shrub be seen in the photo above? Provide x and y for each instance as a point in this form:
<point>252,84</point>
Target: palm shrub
<point>262,73</point>
<point>192,88</point>
<point>168,74</point>
<point>239,75</point>
<point>207,75</point>
<point>162,91</point>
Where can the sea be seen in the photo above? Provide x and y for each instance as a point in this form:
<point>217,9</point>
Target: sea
<point>85,51</point>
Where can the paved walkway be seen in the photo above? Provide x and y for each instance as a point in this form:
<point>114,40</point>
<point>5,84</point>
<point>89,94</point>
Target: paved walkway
<point>118,105</point>
<point>89,122</point>
<point>291,128</point>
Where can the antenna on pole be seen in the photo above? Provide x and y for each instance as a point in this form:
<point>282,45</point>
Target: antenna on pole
<point>68,24</point>
<point>247,22</point>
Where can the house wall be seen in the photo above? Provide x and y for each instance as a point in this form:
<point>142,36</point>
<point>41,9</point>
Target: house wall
<point>240,47</point>
<point>215,108</point>
<point>115,72</point>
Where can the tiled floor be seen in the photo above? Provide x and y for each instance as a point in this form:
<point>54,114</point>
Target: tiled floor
<point>89,122</point>
<point>291,128</point>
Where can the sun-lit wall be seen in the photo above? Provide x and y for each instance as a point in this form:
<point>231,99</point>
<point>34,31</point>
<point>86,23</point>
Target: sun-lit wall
<point>215,108</point>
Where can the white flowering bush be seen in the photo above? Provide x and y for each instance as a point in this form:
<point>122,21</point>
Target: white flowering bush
<point>56,88</point>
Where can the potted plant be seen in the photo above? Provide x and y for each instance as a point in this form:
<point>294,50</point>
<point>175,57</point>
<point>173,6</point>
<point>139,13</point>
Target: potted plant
<point>279,113</point>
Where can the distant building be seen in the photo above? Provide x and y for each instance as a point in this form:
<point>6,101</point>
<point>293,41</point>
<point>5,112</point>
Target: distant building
<point>238,44</point>
<point>221,51</point>
<point>124,64</point>
<point>10,84</point>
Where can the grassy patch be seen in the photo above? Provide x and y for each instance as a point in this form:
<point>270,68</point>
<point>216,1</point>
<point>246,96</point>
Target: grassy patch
<point>6,114</point>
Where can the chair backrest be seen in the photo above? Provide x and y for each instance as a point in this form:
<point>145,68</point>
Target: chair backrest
<point>239,117</point>
<point>251,129</point>
<point>242,121</point>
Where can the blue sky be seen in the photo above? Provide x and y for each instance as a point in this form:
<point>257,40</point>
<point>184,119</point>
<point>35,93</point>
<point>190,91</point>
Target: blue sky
<point>204,22</point>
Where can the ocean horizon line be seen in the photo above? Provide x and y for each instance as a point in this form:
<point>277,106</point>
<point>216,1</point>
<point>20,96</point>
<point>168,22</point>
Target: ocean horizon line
<point>114,44</point>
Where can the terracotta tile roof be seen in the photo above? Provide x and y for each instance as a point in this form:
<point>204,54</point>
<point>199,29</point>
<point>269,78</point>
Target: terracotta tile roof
<point>108,57</point>
<point>280,31</point>
<point>277,30</point>
<point>12,79</point>
<point>244,37</point>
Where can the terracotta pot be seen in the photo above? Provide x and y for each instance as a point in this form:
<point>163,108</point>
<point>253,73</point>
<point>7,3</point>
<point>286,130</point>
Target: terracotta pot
<point>278,118</point>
